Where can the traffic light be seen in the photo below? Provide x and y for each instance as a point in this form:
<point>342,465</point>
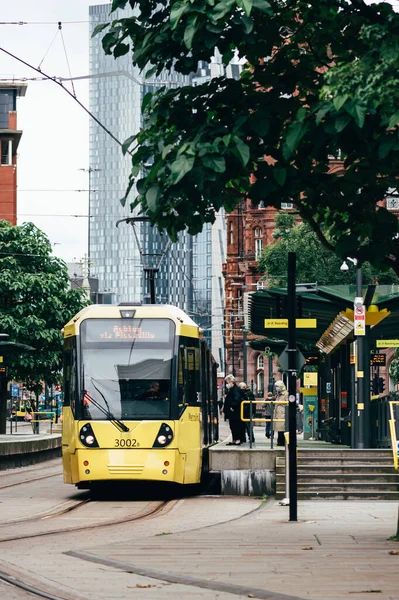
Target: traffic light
<point>381,385</point>
<point>375,385</point>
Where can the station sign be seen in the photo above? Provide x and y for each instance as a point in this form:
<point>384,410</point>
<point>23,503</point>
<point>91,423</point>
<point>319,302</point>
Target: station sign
<point>387,343</point>
<point>359,318</point>
<point>283,323</point>
<point>310,379</point>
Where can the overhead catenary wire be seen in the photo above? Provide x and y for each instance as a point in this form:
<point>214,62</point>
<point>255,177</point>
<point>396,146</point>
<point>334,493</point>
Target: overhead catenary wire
<point>66,58</point>
<point>59,83</point>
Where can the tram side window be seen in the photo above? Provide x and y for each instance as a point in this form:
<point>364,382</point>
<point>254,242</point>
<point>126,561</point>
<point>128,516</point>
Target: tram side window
<point>70,374</point>
<point>181,388</point>
<point>193,394</point>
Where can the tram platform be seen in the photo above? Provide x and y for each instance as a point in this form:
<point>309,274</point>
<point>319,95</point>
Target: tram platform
<point>22,447</point>
<point>325,470</point>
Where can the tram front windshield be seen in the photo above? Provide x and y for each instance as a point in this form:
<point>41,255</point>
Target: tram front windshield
<point>126,368</point>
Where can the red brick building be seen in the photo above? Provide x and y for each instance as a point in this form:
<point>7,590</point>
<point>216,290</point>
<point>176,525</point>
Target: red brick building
<point>249,230</point>
<point>9,140</point>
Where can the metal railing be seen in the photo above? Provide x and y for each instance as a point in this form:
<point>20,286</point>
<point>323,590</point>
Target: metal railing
<point>270,420</point>
<point>392,428</point>
<point>37,418</point>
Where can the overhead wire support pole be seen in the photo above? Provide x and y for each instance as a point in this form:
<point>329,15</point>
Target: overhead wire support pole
<point>292,377</point>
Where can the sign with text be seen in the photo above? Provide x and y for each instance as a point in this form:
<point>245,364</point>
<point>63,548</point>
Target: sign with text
<point>378,360</point>
<point>387,343</point>
<point>283,323</point>
<point>310,379</point>
<point>359,316</point>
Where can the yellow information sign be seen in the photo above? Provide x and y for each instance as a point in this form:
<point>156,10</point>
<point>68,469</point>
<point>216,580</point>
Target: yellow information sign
<point>1,359</point>
<point>283,323</point>
<point>310,379</point>
<point>387,344</point>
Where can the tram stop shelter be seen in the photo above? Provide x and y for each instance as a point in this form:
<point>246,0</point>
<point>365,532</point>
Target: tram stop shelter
<point>328,342</point>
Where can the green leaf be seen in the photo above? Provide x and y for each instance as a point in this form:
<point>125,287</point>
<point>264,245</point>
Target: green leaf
<point>150,72</point>
<point>181,166</point>
<point>127,143</point>
<point>214,162</point>
<point>118,4</point>
<point>358,113</point>
<point>152,197</point>
<point>263,6</point>
<point>341,122</point>
<point>296,131</point>
<point>280,175</point>
<point>176,12</point>
<point>190,31</point>
<point>394,120</point>
<point>248,24</point>
<point>241,150</point>
<point>246,6</point>
<point>121,50</point>
<point>146,101</point>
<point>226,139</point>
<point>339,101</point>
<point>99,28</point>
<point>322,112</point>
<point>386,146</point>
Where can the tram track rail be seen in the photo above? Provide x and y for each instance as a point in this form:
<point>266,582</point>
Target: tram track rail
<point>31,480</point>
<point>147,513</point>
<point>57,511</point>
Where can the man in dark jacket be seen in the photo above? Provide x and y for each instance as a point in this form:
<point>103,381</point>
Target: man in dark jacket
<point>232,411</point>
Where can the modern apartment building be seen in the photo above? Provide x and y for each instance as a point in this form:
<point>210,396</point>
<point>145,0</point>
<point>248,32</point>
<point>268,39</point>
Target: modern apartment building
<point>9,140</point>
<point>190,274</point>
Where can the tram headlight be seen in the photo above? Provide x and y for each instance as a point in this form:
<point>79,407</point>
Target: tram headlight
<point>87,437</point>
<point>164,436</point>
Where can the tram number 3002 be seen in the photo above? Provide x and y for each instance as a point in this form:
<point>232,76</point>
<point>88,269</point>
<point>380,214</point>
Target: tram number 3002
<point>128,443</point>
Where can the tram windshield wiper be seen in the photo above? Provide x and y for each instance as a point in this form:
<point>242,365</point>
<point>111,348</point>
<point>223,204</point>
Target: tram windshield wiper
<point>106,411</point>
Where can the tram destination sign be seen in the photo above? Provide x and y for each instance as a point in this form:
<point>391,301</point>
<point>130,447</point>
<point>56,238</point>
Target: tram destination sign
<point>137,330</point>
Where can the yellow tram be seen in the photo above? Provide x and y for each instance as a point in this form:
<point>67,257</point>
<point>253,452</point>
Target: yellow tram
<point>140,396</point>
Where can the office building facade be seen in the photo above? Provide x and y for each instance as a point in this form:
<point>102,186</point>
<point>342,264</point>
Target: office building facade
<point>190,274</point>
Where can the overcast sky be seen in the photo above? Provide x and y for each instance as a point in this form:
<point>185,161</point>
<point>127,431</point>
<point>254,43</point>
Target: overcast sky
<point>54,144</point>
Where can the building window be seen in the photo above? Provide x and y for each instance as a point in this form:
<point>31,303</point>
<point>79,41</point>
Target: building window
<point>286,205</point>
<point>258,232</point>
<point>261,362</point>
<point>261,384</point>
<point>258,247</point>
<point>231,232</point>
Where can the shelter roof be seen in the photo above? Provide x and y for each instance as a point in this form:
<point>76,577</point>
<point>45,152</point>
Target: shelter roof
<point>325,304</point>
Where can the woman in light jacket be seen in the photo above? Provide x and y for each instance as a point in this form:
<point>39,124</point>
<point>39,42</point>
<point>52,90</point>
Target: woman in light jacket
<point>280,411</point>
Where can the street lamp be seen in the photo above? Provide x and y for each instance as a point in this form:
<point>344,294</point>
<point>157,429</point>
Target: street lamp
<point>149,270</point>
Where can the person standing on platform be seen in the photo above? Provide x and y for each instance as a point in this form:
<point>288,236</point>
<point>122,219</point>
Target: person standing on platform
<point>249,395</point>
<point>232,411</point>
<point>269,411</point>
<point>279,416</point>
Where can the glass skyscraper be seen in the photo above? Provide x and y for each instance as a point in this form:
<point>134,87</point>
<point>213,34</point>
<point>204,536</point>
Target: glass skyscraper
<point>190,275</point>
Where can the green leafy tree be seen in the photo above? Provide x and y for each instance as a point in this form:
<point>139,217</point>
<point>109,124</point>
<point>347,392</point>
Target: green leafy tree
<point>394,369</point>
<point>321,82</point>
<point>315,263</point>
<point>35,303</point>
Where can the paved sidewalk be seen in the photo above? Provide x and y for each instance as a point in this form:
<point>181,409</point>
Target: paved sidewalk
<point>336,550</point>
